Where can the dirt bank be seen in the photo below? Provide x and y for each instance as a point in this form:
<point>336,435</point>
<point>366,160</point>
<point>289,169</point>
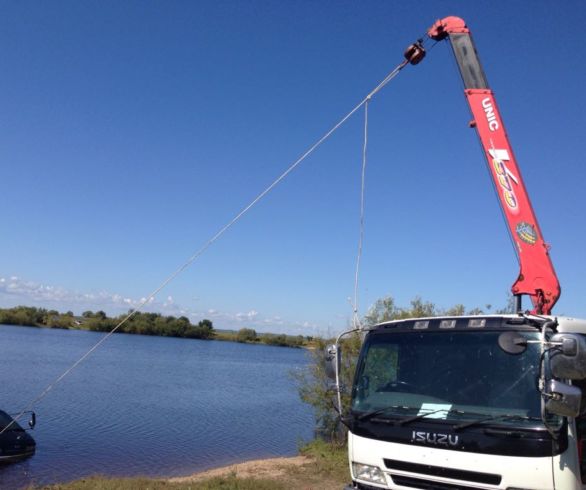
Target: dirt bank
<point>273,468</point>
<point>319,467</point>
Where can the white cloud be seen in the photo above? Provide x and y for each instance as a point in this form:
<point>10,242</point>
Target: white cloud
<point>19,291</point>
<point>251,316</point>
<point>16,291</point>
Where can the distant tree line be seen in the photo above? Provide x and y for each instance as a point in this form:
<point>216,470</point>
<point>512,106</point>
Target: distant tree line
<point>144,324</point>
<point>139,323</point>
<point>149,324</point>
<point>250,336</point>
<point>36,317</point>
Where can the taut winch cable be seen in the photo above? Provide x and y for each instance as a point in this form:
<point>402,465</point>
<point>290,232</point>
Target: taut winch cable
<point>355,316</point>
<point>215,237</point>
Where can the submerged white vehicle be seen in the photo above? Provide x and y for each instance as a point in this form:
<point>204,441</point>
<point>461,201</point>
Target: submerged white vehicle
<point>474,402</point>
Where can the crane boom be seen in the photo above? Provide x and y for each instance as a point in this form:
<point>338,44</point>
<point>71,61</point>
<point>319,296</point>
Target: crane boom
<point>537,277</point>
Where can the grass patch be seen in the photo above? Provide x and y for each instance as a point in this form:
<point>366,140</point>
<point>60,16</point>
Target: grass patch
<point>234,483</point>
<point>331,460</point>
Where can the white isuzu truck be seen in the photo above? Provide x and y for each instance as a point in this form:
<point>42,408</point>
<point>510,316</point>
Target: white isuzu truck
<point>478,402</point>
<point>474,402</point>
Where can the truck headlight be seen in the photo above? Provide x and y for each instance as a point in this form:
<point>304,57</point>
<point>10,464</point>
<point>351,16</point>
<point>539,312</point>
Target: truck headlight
<point>368,473</point>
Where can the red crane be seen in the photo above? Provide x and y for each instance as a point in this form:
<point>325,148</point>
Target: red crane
<point>537,277</point>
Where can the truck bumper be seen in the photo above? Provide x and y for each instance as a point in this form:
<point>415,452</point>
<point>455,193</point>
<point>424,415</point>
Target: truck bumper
<point>360,486</point>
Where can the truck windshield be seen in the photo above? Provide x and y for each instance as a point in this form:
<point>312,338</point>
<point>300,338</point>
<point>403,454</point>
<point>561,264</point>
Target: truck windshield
<point>448,375</point>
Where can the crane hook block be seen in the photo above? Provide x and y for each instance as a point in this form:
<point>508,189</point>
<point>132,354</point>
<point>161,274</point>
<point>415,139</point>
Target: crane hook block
<point>415,53</point>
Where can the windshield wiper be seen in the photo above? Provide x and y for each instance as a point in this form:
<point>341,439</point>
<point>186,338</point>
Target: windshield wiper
<point>494,418</point>
<point>450,411</point>
<point>380,411</point>
<point>420,416</point>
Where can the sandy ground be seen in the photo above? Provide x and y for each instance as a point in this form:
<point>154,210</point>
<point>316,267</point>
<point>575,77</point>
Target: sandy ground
<point>262,468</point>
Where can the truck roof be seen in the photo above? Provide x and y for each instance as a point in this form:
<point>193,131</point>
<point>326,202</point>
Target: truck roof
<point>474,322</point>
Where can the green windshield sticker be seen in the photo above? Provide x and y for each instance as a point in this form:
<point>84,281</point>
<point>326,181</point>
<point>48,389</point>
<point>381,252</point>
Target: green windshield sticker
<point>434,410</point>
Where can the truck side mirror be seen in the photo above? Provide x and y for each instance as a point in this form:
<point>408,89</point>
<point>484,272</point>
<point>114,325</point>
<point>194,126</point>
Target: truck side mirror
<point>568,359</point>
<point>332,358</point>
<point>565,399</point>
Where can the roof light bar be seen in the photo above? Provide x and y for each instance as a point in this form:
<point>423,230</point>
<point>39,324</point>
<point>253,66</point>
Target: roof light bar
<point>448,324</point>
<point>421,325</point>
<point>477,322</point>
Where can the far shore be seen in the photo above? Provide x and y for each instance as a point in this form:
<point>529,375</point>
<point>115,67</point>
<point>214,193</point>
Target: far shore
<point>143,323</point>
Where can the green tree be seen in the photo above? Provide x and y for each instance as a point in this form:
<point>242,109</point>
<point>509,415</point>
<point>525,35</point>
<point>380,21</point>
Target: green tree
<point>316,389</point>
<point>50,317</point>
<point>62,321</point>
<point>282,340</point>
<point>100,315</point>
<point>203,330</point>
<point>383,310</point>
<point>246,335</point>
<point>456,310</point>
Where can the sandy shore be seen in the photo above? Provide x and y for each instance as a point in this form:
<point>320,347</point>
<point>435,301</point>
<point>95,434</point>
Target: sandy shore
<point>261,468</point>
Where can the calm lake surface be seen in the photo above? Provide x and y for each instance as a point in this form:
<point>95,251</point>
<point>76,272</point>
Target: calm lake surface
<point>148,405</point>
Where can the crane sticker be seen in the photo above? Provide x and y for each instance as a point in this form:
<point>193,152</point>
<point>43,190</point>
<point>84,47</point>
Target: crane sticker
<point>493,124</point>
<point>526,232</point>
<point>505,178</point>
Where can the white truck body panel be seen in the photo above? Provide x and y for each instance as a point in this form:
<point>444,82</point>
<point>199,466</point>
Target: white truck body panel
<point>542,473</point>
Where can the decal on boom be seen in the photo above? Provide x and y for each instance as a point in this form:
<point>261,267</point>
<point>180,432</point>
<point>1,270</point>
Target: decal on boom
<point>505,178</point>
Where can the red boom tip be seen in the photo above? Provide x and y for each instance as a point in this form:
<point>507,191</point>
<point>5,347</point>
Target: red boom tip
<point>445,26</point>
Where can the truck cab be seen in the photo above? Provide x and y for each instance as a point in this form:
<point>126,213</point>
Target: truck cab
<point>464,403</point>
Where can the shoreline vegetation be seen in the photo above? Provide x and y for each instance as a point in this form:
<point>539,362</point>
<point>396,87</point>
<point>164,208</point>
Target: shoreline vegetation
<point>320,465</point>
<point>141,323</point>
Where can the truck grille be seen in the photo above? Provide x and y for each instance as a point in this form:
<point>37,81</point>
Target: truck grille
<point>425,469</point>
<point>407,481</point>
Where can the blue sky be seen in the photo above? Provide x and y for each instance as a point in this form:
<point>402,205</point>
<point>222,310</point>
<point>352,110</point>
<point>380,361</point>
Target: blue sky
<point>132,131</point>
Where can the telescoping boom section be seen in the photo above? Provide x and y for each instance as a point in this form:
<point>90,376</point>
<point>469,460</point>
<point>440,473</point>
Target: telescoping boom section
<point>537,277</point>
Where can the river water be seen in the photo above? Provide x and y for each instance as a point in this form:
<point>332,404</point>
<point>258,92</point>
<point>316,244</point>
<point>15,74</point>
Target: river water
<point>148,406</point>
